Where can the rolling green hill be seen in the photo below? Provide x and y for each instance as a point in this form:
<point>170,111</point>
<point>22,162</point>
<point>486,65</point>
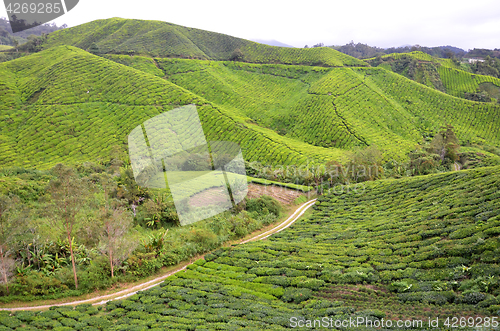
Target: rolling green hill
<point>161,39</point>
<point>66,105</point>
<point>59,105</point>
<point>389,248</point>
<point>362,106</point>
<point>460,83</point>
<point>441,74</point>
<point>426,240</point>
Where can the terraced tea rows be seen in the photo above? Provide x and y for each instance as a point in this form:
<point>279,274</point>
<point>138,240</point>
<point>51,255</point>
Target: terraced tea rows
<point>321,56</point>
<point>458,82</point>
<point>63,104</point>
<point>424,247</point>
<point>362,106</point>
<point>429,108</point>
<point>161,39</point>
<point>420,56</point>
<point>431,239</point>
<point>58,105</point>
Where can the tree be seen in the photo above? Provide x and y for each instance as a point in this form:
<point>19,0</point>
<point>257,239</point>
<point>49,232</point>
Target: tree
<point>68,194</point>
<point>445,144</point>
<point>94,49</point>
<point>116,221</point>
<point>237,55</point>
<point>7,227</point>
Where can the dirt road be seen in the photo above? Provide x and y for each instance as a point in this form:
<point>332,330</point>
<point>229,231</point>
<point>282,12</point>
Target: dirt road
<point>100,300</point>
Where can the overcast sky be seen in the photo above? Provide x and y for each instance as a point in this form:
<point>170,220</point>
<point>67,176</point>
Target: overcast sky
<point>383,23</point>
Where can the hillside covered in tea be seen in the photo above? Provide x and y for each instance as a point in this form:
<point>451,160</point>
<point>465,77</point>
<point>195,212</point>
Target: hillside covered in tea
<point>390,244</point>
<point>402,250</point>
<point>58,104</point>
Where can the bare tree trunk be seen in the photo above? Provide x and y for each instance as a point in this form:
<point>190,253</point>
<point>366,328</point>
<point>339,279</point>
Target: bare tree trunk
<point>72,259</point>
<point>4,270</point>
<point>111,261</point>
<point>29,255</point>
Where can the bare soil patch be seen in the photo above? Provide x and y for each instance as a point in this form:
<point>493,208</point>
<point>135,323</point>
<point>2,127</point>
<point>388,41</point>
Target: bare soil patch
<point>284,195</point>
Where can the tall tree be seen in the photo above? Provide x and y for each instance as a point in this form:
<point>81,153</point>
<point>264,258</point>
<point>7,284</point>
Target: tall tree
<point>117,221</point>
<point>445,144</point>
<point>7,231</point>
<point>116,224</point>
<point>68,194</point>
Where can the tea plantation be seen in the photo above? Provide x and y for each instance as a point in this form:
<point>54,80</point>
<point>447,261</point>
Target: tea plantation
<point>162,39</point>
<point>363,106</point>
<point>444,75</point>
<point>58,105</point>
<point>410,248</point>
<point>403,249</point>
<point>310,105</point>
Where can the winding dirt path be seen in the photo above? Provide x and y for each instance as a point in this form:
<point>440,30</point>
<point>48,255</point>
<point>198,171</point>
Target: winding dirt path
<point>100,300</point>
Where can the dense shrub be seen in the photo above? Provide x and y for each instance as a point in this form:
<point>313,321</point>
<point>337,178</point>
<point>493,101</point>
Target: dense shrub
<point>264,205</point>
<point>296,295</point>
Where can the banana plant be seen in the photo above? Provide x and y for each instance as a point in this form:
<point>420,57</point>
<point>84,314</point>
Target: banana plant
<point>23,271</point>
<point>154,243</point>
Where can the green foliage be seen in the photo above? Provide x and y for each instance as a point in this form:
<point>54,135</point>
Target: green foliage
<point>161,39</point>
<point>267,109</point>
<point>465,85</point>
<point>479,83</point>
<point>296,295</point>
<point>420,236</point>
<point>297,187</point>
<point>263,205</point>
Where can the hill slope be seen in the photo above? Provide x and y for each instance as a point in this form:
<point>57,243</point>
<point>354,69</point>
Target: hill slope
<point>162,39</point>
<point>399,250</point>
<point>66,105</point>
<point>330,107</point>
<point>60,104</point>
<point>430,239</point>
<point>442,74</point>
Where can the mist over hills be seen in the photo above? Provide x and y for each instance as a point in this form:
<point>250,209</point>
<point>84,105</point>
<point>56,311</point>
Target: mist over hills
<point>271,42</point>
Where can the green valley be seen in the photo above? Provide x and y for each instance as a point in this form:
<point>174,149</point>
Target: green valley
<point>402,152</point>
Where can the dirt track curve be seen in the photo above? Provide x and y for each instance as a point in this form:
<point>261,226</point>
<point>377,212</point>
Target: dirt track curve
<point>100,300</point>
